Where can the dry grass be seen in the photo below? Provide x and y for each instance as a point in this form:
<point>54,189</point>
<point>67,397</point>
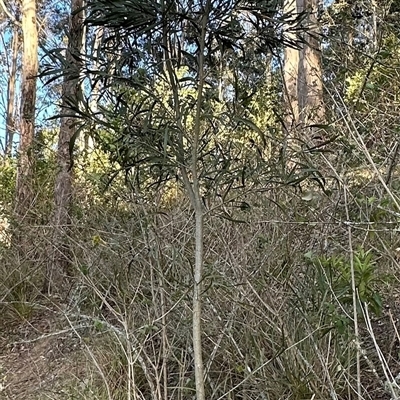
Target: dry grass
<point>267,330</point>
<point>275,325</point>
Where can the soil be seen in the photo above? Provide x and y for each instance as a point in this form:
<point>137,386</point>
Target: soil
<point>41,357</point>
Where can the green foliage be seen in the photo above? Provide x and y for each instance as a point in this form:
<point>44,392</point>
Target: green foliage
<point>334,284</point>
<point>8,173</point>
<point>148,70</point>
<point>354,85</point>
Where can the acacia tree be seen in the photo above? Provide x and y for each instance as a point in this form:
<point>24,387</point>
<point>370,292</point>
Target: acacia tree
<point>164,112</point>
<point>58,266</point>
<point>28,102</point>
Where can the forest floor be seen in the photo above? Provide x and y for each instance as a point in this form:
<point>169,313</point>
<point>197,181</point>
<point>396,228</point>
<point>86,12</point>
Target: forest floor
<point>43,357</point>
<point>48,356</point>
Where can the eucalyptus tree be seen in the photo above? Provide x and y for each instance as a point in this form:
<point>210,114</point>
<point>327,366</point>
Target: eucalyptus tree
<point>29,74</point>
<point>302,68</point>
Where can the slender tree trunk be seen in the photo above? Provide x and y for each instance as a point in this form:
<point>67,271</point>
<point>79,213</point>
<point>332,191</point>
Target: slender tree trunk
<point>199,219</point>
<point>24,188</point>
<point>10,116</point>
<point>59,263</point>
<point>193,188</point>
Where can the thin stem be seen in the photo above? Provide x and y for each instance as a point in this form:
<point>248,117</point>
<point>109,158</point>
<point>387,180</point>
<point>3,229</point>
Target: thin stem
<point>354,290</point>
<point>199,217</point>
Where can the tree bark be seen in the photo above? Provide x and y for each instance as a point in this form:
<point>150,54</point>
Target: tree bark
<point>291,70</point>
<point>303,70</point>
<point>311,103</point>
<point>199,218</point>
<point>59,268</point>
<point>24,188</point>
<point>10,116</point>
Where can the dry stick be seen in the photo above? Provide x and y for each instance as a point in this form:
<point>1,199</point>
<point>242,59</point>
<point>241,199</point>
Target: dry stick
<point>353,288</point>
<point>217,344</point>
<point>164,339</point>
<point>385,367</point>
<point>392,164</point>
<point>394,325</point>
<point>359,140</point>
<point>8,13</point>
<point>153,251</point>
<point>92,356</point>
<point>131,375</point>
<point>358,345</point>
<point>163,318</point>
<point>360,351</point>
<point>157,254</point>
<point>125,336</point>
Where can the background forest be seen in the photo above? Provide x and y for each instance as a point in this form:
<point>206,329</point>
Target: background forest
<point>199,199</point>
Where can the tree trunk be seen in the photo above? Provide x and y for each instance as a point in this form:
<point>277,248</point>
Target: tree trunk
<point>59,267</point>
<point>311,103</point>
<point>24,188</point>
<point>303,70</point>
<point>291,68</point>
<point>10,116</point>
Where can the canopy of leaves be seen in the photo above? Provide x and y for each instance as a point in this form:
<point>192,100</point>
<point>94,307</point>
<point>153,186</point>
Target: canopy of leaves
<point>147,72</point>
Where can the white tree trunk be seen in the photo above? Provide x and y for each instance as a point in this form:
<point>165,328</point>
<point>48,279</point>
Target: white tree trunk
<point>303,70</point>
<point>24,188</point>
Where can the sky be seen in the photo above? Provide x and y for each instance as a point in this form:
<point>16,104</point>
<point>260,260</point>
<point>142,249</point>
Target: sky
<point>54,12</point>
